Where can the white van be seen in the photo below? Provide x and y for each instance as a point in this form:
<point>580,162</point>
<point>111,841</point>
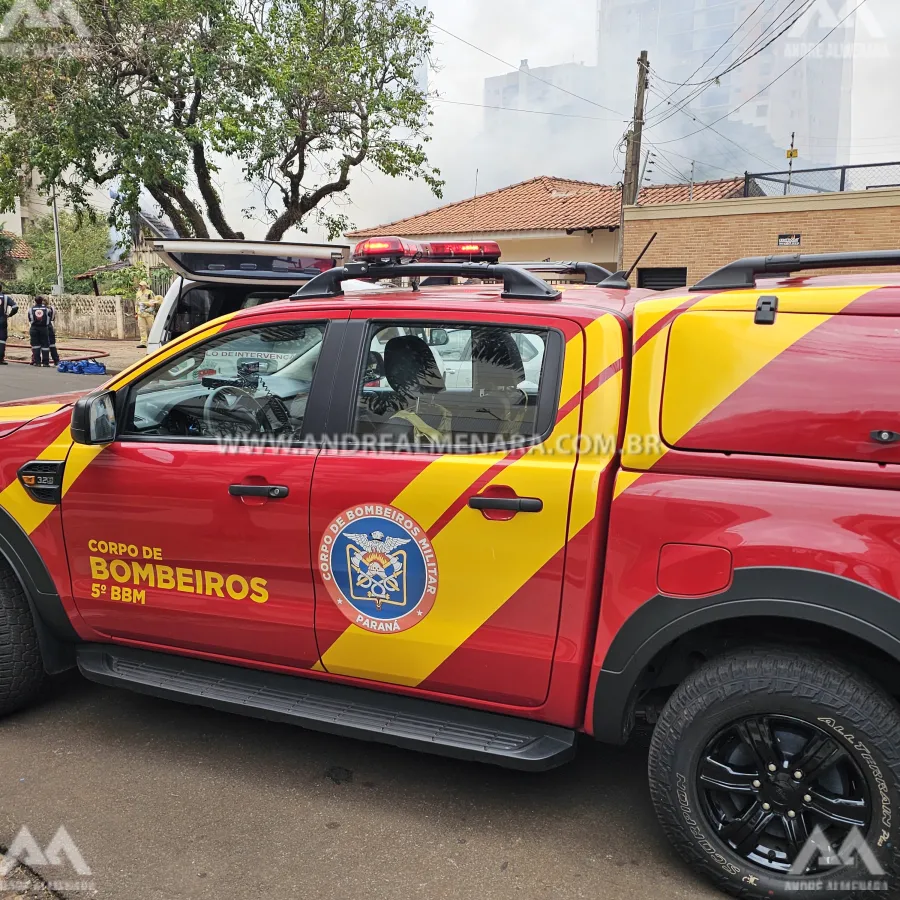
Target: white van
<point>217,277</point>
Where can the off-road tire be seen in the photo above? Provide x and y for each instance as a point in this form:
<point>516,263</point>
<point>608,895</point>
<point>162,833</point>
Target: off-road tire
<point>21,668</point>
<point>852,708</point>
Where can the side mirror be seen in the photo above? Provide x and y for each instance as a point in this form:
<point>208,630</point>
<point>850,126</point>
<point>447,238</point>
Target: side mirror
<point>94,419</point>
<point>439,337</point>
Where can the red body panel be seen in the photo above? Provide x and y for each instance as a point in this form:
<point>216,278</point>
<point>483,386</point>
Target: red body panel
<point>820,398</point>
<point>794,490</point>
<point>851,532</point>
<point>169,505</point>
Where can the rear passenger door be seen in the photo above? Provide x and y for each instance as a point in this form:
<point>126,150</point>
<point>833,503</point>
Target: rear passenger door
<point>439,526</point>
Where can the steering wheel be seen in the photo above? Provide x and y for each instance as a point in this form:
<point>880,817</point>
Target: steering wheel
<point>245,414</point>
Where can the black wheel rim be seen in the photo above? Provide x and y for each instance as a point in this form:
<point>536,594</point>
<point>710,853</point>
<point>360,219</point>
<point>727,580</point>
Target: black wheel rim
<point>766,782</point>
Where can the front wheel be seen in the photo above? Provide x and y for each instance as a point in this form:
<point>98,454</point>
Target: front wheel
<point>21,668</point>
<point>777,774</point>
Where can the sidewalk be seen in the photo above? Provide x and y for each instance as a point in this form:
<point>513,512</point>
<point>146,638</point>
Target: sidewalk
<point>121,353</point>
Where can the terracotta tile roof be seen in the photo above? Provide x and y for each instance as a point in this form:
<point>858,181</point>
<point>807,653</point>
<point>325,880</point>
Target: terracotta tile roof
<point>19,249</point>
<point>723,189</point>
<point>543,204</point>
<point>540,204</point>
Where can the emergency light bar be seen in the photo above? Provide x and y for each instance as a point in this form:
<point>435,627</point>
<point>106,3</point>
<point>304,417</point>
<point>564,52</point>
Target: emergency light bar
<point>399,250</point>
<point>518,284</point>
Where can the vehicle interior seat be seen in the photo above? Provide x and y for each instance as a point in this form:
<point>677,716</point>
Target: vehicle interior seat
<point>498,407</point>
<point>412,372</point>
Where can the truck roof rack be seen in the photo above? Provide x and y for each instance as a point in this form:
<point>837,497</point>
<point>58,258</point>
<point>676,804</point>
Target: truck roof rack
<point>517,283</point>
<point>742,273</point>
<point>593,274</point>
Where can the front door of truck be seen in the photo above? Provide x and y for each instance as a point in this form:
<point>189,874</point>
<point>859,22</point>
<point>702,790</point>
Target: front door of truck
<point>190,530</point>
<point>439,535</point>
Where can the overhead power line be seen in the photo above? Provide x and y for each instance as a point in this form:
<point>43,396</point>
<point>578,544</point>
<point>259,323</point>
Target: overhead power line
<point>716,132</point>
<point>531,74</point>
<point>770,84</point>
<point>708,59</point>
<point>538,112</point>
<point>734,173</point>
<point>757,46</point>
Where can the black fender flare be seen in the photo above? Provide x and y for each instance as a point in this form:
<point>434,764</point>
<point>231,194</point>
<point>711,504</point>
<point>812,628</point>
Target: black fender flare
<point>803,595</point>
<point>56,636</point>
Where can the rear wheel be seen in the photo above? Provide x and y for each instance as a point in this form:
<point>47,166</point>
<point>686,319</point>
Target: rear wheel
<point>21,668</point>
<point>776,774</point>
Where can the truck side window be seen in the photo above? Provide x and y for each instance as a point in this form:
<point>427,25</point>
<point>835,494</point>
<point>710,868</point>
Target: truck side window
<point>483,395</point>
<point>249,383</point>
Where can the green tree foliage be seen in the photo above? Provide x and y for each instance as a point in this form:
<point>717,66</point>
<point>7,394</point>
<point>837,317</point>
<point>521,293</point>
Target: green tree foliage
<point>150,93</point>
<point>85,245</point>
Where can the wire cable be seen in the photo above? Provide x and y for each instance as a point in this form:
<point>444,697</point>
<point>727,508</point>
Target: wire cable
<point>527,72</point>
<point>709,58</point>
<point>770,84</point>
<point>745,56</point>
<point>716,132</point>
<point>539,112</point>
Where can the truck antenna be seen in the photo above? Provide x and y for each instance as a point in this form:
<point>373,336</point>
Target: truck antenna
<point>641,255</point>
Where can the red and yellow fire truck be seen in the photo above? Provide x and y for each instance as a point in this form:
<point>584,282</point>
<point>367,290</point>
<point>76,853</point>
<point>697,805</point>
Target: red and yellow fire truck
<point>478,514</point>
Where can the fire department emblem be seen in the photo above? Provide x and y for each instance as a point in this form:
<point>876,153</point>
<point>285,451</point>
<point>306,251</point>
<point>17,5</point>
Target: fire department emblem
<point>379,568</point>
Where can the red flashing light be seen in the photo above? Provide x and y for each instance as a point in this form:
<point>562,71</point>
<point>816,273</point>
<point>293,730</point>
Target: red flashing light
<point>397,249</point>
<point>391,248</point>
<point>475,251</point>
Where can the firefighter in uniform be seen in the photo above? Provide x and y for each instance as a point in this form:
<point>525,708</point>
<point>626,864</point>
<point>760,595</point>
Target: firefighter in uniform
<point>40,318</point>
<point>7,308</point>
<point>146,306</point>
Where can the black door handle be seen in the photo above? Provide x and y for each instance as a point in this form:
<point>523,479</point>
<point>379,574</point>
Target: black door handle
<point>885,437</point>
<point>272,491</point>
<point>509,504</point>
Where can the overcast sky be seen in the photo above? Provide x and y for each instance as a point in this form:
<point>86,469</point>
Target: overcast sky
<point>547,32</point>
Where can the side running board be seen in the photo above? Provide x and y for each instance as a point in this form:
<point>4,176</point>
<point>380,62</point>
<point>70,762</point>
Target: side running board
<point>336,708</point>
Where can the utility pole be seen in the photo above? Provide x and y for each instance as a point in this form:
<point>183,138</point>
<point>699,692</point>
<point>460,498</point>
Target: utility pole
<point>693,167</point>
<point>60,286</point>
<point>633,148</point>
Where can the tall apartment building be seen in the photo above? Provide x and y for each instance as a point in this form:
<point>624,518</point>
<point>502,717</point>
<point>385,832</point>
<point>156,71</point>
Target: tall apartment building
<point>813,99</point>
<point>522,90</point>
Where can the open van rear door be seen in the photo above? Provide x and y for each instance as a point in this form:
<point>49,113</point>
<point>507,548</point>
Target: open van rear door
<point>249,262</point>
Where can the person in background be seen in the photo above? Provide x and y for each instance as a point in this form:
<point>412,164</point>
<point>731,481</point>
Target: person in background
<point>40,317</point>
<point>145,309</point>
<point>51,336</point>
<point>7,308</point>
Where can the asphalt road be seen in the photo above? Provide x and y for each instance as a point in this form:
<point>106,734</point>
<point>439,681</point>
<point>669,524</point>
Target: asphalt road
<point>19,382</point>
<point>166,801</point>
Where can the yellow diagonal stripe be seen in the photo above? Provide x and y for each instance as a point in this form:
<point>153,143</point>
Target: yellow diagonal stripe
<point>711,355</point>
<point>717,352</point>
<point>16,501</point>
<point>481,563</point>
<point>25,412</point>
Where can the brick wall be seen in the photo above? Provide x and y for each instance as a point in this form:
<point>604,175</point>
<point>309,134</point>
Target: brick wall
<point>707,235</point>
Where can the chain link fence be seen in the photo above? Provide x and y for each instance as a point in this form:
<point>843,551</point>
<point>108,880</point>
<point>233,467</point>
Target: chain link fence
<point>868,177</point>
